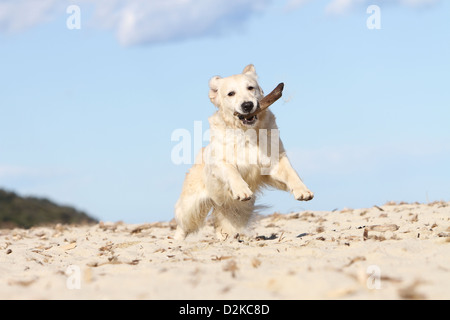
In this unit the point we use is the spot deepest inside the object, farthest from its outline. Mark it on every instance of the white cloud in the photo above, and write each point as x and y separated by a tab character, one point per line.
338	7
295	4
12	171
20	172
417	3
341	6
144	21
155	21
18	15
138	21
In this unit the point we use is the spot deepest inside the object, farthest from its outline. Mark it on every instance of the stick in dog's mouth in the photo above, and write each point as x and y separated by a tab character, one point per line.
263	104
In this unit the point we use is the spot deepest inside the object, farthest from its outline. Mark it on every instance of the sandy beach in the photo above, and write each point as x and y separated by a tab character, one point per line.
391	251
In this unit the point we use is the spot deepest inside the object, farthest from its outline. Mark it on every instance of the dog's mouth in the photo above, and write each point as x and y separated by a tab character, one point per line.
247	120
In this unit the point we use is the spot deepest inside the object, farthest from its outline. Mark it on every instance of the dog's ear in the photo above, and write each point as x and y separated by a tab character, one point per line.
214	89
250	70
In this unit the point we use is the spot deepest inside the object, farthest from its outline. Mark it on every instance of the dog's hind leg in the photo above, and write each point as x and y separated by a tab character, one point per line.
232	218
190	213
193	205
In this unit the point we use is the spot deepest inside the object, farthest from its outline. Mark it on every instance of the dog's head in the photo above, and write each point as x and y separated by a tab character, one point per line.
237	96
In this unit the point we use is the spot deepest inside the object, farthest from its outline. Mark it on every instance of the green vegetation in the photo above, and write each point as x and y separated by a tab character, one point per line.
26	212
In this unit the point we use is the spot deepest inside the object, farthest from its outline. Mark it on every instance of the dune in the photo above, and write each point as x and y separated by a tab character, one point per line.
393	251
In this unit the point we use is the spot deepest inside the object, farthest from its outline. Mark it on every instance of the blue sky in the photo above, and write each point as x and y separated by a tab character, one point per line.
86	116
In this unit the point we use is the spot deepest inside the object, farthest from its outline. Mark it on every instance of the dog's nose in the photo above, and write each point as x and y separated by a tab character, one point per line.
247	106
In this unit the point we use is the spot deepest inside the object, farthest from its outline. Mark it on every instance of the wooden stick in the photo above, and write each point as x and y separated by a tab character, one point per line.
267	101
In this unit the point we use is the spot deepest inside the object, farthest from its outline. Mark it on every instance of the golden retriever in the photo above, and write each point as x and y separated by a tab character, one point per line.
244	155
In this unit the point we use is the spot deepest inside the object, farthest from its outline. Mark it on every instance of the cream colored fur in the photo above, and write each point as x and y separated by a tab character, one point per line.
236	164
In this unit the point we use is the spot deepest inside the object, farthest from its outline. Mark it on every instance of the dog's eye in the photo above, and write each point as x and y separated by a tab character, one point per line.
231	93
250	88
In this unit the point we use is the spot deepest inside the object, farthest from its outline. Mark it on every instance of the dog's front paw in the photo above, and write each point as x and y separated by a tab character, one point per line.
243	193
303	194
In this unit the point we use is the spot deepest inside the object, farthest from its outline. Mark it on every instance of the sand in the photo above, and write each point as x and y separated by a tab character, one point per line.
394	251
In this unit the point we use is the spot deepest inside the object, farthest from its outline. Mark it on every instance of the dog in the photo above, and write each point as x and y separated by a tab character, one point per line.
245	154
